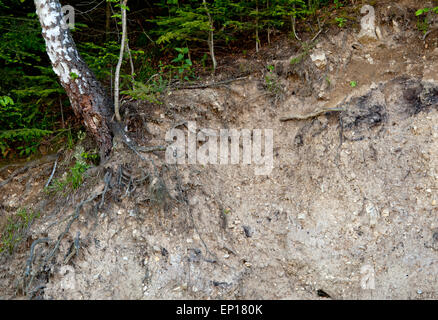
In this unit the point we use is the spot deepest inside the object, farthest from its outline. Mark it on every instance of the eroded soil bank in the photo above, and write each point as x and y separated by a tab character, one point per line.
350	207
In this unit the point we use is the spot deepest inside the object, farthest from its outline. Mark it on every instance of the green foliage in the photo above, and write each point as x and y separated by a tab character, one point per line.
75	176
6	101
423	18
180	69
271	82
149	91
28	87
182	64
423	25
185	23
341	22
29	137
338	4
100	58
31	110
419	12
15	229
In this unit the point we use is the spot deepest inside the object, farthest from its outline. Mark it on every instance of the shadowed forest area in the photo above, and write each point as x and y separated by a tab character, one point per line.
169	42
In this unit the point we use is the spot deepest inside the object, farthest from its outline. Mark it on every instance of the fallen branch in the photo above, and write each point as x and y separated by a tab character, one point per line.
311	115
320	30
209	85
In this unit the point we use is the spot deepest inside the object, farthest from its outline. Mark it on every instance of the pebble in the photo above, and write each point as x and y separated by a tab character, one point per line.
373	214
132	213
319	58
302	216
248	231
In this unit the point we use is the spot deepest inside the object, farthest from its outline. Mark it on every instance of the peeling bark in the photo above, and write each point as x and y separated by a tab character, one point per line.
87	96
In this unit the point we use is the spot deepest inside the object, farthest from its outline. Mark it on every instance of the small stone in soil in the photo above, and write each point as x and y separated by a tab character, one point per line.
248	231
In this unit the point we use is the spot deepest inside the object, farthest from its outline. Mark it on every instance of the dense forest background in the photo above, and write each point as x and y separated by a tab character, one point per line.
169	40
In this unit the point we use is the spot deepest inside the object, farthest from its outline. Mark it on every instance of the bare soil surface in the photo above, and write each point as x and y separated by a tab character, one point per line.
349	210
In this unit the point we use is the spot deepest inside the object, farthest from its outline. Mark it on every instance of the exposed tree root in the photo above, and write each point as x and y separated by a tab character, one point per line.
30	273
429	32
27	166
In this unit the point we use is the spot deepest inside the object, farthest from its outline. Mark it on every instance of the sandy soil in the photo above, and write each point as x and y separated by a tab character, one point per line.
349	210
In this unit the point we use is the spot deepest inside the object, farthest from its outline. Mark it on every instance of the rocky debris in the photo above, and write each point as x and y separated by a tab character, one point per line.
400	98
368	25
248	231
373	214
319	58
365	111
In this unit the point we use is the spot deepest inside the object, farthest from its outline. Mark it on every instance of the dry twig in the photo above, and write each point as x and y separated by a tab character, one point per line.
311	115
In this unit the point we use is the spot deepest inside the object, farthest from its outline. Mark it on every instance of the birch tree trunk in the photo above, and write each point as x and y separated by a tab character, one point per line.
87	96
119	64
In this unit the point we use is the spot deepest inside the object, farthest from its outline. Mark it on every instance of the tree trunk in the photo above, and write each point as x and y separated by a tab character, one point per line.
211	37
119	64
87	96
107	21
